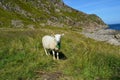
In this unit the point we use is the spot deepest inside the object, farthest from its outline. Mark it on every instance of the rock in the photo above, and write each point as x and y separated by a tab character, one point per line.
33	19
114	41
117	36
42	24
17	23
57	10
107	35
105	32
31	26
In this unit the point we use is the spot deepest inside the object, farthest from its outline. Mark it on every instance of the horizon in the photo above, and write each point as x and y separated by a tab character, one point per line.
114	24
107	10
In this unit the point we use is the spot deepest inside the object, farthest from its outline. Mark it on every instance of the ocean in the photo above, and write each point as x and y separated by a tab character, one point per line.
114	26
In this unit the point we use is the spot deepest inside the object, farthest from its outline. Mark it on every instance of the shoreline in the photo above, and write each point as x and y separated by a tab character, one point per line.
107	35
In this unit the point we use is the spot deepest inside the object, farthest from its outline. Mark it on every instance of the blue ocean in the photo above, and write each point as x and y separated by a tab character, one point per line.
114	26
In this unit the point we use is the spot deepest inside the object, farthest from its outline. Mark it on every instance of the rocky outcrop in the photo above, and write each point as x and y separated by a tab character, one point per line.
117	36
17	23
106	35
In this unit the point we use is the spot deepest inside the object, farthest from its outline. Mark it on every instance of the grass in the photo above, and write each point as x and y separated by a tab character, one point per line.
22	57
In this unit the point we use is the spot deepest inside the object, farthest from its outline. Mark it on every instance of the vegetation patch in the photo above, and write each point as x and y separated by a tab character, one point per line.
22	56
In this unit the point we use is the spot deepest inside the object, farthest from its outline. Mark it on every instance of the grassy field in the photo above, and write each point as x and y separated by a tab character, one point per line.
22	57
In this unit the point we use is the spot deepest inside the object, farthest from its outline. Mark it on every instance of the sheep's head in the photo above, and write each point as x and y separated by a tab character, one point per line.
58	37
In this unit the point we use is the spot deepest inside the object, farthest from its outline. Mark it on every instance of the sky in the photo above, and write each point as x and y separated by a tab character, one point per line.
107	10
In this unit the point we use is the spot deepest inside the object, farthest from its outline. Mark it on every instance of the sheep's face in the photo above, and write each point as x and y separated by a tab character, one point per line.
58	37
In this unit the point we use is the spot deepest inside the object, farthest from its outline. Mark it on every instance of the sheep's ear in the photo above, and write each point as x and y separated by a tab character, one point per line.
52	34
62	34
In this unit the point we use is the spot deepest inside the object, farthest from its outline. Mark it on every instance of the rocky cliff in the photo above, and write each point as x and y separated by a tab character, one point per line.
36	13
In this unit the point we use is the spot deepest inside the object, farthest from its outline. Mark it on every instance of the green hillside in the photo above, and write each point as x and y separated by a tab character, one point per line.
22	57
24	13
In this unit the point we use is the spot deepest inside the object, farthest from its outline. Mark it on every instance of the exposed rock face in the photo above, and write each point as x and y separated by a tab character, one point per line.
17	23
47	12
117	36
107	35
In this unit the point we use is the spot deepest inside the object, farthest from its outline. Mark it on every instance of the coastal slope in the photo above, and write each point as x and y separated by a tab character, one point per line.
37	13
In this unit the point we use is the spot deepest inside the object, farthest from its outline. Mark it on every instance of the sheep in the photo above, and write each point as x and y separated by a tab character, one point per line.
52	43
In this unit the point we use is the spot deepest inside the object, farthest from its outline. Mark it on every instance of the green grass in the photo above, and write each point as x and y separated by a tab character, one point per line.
22	56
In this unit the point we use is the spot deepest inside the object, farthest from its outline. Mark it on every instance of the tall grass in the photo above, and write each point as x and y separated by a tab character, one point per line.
22	55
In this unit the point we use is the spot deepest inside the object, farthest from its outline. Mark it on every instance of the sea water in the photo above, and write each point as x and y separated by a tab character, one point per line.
114	26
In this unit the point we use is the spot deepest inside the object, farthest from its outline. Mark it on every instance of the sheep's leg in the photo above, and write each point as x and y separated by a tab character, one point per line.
46	51
57	55
53	54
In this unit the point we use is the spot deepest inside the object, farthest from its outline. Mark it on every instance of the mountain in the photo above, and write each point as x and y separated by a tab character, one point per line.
36	13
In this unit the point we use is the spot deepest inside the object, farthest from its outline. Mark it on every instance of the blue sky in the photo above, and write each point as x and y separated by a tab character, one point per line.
108	10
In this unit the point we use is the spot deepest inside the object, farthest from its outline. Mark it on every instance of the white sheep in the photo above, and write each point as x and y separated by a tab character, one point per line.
52	43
